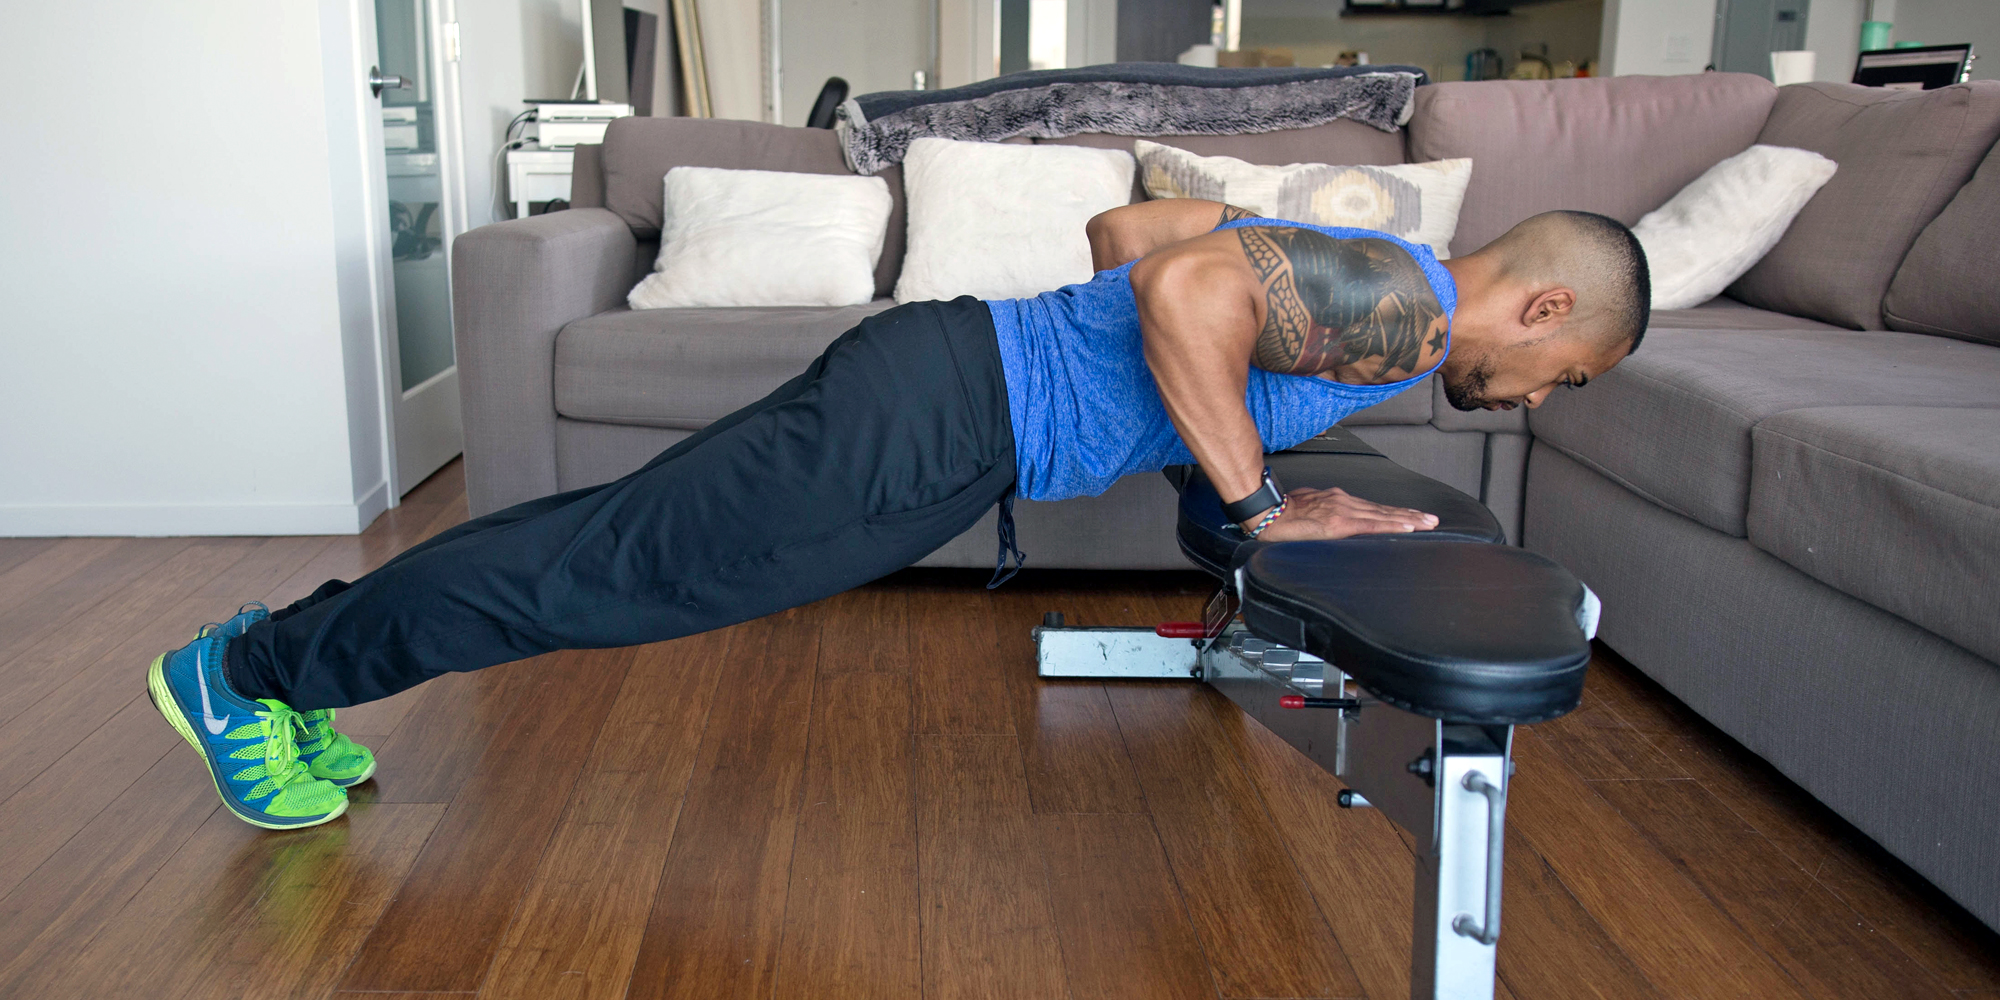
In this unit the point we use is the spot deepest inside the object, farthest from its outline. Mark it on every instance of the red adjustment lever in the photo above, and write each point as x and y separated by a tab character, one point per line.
1180	630
1301	701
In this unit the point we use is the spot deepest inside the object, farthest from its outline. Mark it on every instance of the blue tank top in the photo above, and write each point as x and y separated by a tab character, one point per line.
1084	405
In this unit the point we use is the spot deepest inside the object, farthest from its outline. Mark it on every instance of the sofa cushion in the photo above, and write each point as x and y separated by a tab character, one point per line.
1340	141
586	175
1446	417
1902	155
1720	313
1672	422
1940	289
638	152
1896	505
1725	313
1626	144
683	368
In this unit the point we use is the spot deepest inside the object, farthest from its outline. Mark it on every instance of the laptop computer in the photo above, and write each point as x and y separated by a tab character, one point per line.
1921	67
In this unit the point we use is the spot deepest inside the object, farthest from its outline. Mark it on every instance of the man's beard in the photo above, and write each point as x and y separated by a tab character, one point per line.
1467	391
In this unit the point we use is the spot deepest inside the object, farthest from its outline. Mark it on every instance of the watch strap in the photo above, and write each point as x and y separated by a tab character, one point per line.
1266	497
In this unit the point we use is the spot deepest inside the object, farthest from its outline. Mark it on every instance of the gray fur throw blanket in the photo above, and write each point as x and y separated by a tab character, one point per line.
1137	99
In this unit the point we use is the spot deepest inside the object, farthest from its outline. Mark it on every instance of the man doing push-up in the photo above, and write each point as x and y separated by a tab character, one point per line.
1208	335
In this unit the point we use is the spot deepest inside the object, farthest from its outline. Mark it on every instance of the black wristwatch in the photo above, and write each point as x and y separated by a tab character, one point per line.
1266	497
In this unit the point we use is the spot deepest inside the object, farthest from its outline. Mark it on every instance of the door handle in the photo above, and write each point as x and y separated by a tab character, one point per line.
377	82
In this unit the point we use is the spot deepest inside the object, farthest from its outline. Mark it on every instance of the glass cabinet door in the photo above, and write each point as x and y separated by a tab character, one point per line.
416	197
423	187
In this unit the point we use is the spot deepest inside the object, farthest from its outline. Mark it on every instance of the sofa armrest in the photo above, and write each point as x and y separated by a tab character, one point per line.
515	285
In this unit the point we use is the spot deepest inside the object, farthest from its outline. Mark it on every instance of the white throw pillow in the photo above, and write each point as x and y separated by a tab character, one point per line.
765	238
1418	202
1002	220
1726	220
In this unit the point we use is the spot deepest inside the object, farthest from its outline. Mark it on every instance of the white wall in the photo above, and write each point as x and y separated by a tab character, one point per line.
1833	33
872	44
551	41
174	357
732	35
968	47
516	49
1093	32
492	80
510	50
1656	37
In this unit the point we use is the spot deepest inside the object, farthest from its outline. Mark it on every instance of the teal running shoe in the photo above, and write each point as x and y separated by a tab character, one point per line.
331	756
246	616
250	747
328	755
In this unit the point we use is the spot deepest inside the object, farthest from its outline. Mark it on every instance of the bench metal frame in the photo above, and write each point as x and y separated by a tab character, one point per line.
1445	783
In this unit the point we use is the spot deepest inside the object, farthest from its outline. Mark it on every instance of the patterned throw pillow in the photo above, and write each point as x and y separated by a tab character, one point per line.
1416	201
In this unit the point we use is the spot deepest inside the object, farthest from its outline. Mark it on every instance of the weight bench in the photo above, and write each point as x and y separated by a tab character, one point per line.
1399	663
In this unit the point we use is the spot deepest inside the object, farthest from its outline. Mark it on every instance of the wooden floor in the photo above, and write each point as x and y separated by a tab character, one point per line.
869	797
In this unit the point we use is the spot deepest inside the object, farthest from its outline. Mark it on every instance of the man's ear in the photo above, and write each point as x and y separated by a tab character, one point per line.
1552	306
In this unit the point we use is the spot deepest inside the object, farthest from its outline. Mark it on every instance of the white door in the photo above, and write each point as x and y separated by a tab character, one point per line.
417	46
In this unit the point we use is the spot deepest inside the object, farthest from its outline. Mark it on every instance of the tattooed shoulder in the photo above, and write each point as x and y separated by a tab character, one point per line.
1363	303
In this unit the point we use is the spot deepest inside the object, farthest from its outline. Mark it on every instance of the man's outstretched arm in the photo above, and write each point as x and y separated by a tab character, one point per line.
1129	232
1203	310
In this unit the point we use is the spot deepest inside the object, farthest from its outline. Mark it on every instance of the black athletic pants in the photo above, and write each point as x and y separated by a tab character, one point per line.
893	442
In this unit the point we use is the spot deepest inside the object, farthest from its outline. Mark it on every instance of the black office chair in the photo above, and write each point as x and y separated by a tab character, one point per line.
828	100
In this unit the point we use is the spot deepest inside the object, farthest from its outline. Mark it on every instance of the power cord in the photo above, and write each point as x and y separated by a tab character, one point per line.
521	119
502	204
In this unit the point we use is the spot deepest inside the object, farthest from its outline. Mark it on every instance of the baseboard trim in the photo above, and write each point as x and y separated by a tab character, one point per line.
150	520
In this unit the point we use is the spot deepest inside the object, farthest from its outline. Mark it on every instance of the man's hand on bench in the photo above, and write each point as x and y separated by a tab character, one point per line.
1336	513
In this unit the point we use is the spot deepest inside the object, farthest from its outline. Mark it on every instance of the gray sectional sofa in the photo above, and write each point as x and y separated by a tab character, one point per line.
1789	498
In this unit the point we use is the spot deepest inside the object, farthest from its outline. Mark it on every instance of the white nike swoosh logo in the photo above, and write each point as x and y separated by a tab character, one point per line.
208	719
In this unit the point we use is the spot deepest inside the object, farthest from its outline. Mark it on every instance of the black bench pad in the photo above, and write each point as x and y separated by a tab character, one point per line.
1336	458
1450	623
1460	631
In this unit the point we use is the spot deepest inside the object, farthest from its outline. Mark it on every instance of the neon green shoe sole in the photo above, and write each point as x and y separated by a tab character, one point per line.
343	782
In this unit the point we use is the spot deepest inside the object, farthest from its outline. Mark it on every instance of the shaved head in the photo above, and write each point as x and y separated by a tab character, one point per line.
1594	255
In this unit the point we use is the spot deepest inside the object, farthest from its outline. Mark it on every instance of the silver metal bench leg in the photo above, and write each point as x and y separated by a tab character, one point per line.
1458	880
1446	784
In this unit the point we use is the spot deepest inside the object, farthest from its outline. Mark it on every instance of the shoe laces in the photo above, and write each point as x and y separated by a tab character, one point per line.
281	750
313	728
